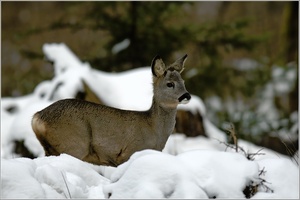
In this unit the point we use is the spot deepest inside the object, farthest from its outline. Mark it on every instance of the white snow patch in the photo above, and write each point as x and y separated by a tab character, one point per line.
50	177
120	46
282	176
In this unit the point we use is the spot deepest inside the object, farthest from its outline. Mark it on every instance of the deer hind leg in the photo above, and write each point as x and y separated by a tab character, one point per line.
96	158
40	131
122	156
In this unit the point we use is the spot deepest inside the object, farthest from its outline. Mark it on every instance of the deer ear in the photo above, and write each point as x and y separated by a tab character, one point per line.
178	65
158	67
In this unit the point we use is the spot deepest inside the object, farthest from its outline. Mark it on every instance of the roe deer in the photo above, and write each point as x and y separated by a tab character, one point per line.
104	135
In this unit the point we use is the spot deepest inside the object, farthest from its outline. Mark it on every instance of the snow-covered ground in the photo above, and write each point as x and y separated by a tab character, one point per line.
197	167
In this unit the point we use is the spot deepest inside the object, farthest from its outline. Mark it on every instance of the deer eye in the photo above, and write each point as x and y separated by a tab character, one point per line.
171	84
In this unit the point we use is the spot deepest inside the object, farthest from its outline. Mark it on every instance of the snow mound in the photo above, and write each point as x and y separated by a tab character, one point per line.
50	177
138	178
195	174
151	174
282	177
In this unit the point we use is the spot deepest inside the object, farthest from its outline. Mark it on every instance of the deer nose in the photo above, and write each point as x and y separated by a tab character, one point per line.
185	98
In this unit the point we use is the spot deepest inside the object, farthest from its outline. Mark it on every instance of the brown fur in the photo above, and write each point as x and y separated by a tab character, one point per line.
108	136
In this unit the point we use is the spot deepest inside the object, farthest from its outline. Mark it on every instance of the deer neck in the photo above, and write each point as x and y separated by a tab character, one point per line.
158	110
163	120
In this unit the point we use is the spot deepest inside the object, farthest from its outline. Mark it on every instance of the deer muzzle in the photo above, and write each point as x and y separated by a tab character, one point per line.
185	98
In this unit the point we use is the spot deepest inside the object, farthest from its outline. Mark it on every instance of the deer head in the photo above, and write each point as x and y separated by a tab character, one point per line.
168	86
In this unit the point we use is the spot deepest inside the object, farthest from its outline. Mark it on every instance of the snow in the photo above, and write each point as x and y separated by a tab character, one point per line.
120	46
50	177
261	114
150	174
280	172
138	179
212	170
199	167
245	64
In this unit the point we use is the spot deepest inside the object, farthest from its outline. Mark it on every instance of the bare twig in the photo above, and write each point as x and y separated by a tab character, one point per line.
263	181
249	156
70	197
290	150
232	132
262	172
266	188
